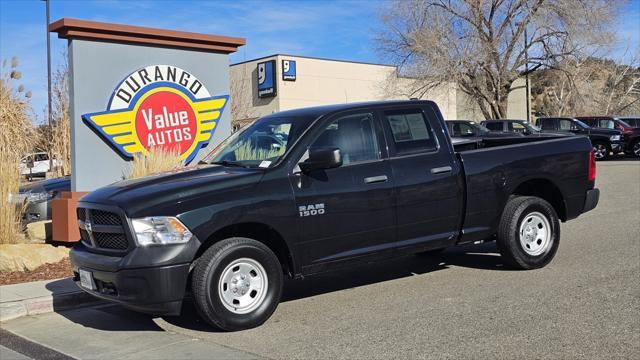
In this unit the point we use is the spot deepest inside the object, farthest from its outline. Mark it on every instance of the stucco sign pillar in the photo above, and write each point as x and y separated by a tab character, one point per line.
133	89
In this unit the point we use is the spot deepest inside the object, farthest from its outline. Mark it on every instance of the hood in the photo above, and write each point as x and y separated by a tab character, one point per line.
57	184
172	188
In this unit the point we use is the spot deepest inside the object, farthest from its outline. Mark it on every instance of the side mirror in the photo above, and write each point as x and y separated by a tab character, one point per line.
321	159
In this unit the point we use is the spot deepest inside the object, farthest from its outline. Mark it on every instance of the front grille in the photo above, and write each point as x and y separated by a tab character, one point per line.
111	241
100	217
102	229
82	214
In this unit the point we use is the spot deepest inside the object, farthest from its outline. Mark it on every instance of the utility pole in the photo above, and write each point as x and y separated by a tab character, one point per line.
526	74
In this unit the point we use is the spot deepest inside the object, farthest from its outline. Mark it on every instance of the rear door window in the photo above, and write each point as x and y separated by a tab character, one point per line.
494	126
410	130
547	124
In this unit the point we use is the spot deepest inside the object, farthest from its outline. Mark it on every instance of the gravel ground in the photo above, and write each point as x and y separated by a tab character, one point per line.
57	270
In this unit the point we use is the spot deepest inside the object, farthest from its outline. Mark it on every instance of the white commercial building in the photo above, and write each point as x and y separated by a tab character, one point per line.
282	82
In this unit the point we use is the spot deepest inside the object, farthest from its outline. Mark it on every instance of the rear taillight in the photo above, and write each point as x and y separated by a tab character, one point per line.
592	166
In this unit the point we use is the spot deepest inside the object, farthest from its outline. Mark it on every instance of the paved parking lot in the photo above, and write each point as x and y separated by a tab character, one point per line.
462	304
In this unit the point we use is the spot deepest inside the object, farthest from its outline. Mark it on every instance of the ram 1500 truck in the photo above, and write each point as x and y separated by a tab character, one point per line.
306	191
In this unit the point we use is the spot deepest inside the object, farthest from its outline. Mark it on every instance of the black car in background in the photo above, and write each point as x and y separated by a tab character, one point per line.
604	141
38	196
516	126
471	129
630	134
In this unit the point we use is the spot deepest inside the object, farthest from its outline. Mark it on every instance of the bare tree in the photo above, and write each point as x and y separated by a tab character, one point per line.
60	132
485	45
240	94
589	86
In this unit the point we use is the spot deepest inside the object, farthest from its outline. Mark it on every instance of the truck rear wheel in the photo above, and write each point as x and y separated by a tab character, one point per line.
529	232
237	284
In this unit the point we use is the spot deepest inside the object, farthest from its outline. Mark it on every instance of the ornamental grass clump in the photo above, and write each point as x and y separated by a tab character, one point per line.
16	138
158	160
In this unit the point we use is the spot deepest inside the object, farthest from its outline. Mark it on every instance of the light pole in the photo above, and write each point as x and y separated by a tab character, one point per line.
526	74
49	115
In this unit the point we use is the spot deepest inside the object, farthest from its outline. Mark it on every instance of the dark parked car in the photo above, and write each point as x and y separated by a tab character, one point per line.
630	134
354	183
516	126
604	141
38	196
471	129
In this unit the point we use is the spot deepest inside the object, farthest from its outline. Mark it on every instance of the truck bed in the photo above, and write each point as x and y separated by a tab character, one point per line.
495	168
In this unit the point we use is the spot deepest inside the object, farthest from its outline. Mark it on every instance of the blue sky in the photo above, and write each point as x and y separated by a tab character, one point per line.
344	29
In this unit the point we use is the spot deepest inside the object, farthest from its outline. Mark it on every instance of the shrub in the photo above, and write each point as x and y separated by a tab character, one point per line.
16	135
159	159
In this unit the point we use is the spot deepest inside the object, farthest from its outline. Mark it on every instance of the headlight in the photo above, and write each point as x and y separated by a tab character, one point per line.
615	137
160	230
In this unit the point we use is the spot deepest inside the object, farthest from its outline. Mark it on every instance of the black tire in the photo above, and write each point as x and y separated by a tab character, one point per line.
598	147
206	278
635	148
517	210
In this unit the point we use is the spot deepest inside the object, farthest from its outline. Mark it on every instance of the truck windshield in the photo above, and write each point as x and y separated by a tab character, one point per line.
261	144
531	127
483	129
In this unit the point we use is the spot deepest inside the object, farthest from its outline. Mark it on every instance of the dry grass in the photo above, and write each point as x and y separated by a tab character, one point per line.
158	160
247	152
16	134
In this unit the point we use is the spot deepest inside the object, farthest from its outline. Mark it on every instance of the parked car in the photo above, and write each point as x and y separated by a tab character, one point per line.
630	134
471	129
633	121
516	126
355	183
38	196
604	141
35	165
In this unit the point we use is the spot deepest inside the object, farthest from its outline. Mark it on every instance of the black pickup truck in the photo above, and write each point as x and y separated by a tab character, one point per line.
335	186
604	141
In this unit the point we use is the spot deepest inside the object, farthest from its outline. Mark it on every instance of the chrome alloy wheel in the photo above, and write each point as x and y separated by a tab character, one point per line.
243	285
636	149
535	234
600	151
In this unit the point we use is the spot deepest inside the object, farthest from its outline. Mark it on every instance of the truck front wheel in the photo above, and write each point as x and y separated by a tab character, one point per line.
601	150
529	232
237	284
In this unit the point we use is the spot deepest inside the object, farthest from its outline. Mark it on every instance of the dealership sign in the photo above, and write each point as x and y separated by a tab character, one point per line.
159	106
267	79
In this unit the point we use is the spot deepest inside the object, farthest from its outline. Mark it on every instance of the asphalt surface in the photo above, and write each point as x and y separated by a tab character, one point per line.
461	304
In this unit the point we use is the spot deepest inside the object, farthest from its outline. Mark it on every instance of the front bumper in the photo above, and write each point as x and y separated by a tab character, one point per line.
591	200
156	289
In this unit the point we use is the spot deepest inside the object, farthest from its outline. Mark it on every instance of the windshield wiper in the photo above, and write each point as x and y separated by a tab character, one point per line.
228	163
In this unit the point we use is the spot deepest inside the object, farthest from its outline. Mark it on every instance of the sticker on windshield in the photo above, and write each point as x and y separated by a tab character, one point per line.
265	164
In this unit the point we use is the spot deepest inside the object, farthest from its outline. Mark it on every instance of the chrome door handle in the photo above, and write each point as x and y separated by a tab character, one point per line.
375	179
441	170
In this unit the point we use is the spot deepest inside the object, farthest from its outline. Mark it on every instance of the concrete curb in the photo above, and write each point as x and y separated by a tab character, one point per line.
41	297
